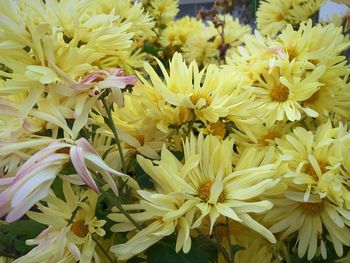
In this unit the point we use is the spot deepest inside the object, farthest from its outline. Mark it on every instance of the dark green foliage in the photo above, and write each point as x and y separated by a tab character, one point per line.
14	235
164	251
142	178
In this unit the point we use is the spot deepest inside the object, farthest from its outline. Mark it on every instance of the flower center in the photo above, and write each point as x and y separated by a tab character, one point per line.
312	208
270	135
311	171
279	93
197	96
217	129
291	53
183	114
79	228
204	192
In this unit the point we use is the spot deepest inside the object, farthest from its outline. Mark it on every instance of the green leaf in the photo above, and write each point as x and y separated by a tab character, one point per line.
14	235
143	179
164	251
150	48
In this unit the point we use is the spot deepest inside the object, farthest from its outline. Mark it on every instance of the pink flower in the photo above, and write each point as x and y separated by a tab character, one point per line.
33	180
102	79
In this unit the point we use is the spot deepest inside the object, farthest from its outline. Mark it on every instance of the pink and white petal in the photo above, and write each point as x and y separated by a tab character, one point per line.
78	161
97	160
34	183
40	165
85	145
39	194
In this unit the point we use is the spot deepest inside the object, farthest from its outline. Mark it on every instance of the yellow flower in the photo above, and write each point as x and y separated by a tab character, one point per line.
163	11
63	239
179	31
185	194
314	221
274	15
210	93
314	161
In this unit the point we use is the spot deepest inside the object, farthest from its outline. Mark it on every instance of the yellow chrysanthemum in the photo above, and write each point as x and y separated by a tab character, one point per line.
63	239
274	15
210	94
206	42
163	11
314	161
178	32
314	220
293	73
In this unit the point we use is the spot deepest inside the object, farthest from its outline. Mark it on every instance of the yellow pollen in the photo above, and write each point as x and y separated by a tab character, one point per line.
183	114
271	135
171	37
161	8
279	17
217	129
197	96
311	171
312	99
312	208
204	192
183	38
279	93
79	228
292	54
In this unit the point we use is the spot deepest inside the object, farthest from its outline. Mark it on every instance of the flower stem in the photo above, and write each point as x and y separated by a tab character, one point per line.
111	125
229	239
102	249
127	215
221	248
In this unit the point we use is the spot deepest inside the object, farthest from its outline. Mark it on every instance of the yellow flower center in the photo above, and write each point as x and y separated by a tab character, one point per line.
204	192
161	8
271	135
279	17
279	93
311	171
312	208
217	129
197	96
292	53
312	99
79	228
183	38
183	114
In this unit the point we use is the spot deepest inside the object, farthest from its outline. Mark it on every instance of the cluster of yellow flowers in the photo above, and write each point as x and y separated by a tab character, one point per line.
117	153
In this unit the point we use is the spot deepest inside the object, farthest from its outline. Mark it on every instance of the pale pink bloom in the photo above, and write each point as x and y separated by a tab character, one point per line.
102	79
33	180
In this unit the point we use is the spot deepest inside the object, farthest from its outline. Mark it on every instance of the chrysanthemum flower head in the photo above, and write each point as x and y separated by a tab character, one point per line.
210	93
273	15
205	185
315	221
66	237
314	161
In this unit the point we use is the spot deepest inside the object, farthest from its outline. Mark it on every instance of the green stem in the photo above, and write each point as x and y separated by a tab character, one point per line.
127	215
102	249
255	7
229	239
111	125
74	213
220	247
